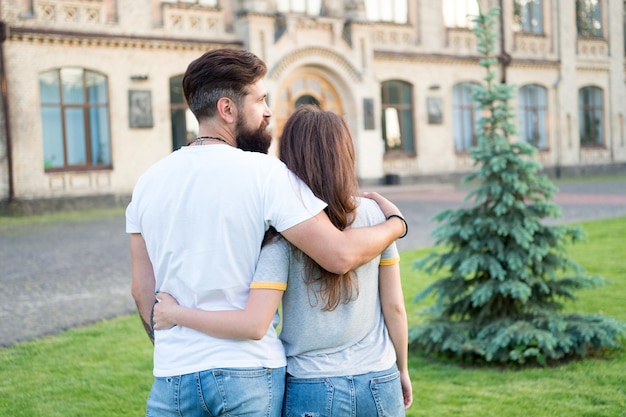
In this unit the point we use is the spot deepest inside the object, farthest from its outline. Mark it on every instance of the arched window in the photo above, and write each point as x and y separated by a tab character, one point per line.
590	115
533	115
528	16
465	114
184	123
395	11
459	13
397	117
75	119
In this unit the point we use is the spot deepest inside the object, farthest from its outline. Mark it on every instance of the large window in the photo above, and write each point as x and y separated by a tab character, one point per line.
387	11
590	112
184	123
200	2
528	16
459	13
75	119
308	7
465	115
589	18
533	115
397	117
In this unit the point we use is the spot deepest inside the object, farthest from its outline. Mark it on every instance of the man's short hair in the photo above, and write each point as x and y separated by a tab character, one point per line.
220	73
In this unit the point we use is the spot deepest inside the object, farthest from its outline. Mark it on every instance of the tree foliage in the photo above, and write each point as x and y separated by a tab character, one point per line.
506	272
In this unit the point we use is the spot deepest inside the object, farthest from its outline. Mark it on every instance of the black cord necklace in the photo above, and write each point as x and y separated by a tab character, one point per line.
201	139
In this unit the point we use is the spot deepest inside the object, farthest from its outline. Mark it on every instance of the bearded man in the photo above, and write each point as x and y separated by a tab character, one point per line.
196	222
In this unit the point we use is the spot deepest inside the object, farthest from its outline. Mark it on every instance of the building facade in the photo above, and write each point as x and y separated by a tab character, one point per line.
92	96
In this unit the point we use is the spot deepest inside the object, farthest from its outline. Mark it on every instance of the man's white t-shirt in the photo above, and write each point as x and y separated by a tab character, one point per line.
203	212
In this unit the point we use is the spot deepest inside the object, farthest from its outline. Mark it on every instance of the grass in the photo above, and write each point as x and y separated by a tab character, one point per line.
620	176
105	369
78	215
99	370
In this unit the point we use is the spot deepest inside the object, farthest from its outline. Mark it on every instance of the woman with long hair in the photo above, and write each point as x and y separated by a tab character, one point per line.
345	336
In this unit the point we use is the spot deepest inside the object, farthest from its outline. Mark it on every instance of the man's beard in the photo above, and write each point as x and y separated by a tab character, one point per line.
253	140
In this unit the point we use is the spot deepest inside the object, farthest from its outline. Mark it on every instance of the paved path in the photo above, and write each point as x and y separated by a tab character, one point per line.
58	275
579	201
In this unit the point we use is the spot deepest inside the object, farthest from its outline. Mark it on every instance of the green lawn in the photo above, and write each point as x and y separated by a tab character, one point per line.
104	370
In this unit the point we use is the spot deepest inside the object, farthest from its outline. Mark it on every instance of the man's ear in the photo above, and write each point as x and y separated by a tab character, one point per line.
227	110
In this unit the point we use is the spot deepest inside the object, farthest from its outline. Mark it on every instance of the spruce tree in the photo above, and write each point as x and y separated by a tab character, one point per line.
506	273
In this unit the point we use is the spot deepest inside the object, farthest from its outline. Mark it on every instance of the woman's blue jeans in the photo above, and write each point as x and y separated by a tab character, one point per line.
219	392
367	395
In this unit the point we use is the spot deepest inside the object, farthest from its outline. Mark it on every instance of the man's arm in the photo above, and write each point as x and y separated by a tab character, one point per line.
143	282
342	251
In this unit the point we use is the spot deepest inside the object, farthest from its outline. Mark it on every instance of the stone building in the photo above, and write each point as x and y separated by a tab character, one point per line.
92	97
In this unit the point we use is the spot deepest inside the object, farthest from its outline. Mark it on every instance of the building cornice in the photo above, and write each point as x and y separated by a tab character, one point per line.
424	57
305	54
457	59
83	38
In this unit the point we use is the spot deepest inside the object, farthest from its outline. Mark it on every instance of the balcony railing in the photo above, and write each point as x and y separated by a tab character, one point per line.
531	46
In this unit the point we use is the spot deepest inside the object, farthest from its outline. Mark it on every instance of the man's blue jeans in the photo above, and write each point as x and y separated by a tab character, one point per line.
367	395
219	392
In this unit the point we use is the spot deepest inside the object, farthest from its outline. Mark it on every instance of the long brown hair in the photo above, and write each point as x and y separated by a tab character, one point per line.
317	146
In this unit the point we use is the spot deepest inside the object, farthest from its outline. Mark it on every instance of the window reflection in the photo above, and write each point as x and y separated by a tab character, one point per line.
465	115
589	18
75	118
387	11
528	16
397	117
459	13
309	7
184	123
590	107
392	128
533	115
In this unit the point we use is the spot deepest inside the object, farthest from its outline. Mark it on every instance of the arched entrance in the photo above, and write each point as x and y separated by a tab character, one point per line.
304	87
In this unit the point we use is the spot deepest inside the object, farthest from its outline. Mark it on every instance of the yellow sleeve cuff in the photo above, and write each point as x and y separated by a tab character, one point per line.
391	261
280	286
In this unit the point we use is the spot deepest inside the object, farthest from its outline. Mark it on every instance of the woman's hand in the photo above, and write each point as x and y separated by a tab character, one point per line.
407	390
164	312
386	206
389	209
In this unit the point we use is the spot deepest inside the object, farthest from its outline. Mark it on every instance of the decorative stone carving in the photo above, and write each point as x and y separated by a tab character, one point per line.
392	35
592	48
77	12
531	46
192	19
594	155
462	41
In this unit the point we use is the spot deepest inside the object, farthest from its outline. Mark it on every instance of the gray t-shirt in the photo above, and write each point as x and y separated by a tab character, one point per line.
350	340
